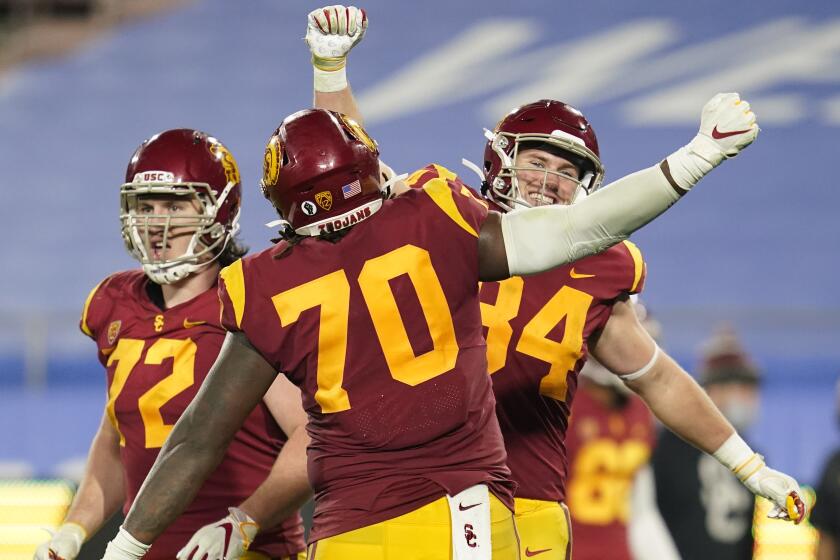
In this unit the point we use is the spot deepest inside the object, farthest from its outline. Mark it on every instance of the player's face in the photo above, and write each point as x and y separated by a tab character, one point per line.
545	178
179	213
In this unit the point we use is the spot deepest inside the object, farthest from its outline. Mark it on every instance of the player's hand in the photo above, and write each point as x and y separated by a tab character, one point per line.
780	489
64	544
331	32
727	126
226	539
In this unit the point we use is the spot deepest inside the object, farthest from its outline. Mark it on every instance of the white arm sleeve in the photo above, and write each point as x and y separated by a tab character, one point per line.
648	536
541	238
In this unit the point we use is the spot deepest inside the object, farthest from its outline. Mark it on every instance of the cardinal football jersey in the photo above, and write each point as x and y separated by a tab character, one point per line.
537	328
156	361
381	330
606	447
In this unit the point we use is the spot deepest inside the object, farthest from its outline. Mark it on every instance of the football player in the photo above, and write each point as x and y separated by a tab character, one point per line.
370	305
541	328
157	332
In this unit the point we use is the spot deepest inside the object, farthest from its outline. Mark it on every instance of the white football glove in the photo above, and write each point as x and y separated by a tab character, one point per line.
64	544
727	126
749	467
782	490
332	32
226	539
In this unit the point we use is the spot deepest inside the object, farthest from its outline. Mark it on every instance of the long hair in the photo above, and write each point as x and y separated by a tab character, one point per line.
233	251
291	238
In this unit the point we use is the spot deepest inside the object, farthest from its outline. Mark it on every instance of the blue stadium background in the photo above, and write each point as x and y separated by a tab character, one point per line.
755	245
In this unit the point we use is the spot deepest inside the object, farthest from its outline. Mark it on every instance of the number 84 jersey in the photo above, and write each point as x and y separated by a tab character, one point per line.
537	329
156	361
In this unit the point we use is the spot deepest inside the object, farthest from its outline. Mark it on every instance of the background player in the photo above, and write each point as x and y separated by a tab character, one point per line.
157	332
610	437
546	153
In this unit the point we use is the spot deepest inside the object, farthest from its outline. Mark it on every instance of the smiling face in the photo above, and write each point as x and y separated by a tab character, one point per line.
545	178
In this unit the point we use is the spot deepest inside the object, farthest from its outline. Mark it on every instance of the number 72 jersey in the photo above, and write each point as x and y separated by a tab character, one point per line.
155	362
537	330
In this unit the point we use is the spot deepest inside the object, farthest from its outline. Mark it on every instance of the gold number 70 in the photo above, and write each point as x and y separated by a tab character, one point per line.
332	294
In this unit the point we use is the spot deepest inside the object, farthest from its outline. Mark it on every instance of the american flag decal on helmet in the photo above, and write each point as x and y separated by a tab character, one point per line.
352	189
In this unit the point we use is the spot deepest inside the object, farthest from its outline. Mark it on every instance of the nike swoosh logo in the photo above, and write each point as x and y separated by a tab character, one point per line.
574	274
530	553
462	507
228	527
717	135
190	324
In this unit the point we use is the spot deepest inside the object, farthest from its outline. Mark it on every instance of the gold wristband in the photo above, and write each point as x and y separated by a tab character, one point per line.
330	63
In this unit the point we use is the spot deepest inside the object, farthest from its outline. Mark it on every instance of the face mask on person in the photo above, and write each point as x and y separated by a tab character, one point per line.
741	414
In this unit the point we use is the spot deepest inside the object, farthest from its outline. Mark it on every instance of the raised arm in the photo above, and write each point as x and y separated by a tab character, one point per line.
235	385
331	32
610	215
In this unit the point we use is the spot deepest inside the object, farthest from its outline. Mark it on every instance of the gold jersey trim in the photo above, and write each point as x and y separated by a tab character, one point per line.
441	194
85	327
638	264
234	279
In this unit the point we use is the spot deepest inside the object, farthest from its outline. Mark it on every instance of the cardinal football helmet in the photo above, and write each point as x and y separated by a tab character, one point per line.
545	124
182	163
321	172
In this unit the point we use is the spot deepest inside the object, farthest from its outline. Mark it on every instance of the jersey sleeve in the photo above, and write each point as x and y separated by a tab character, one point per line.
232	296
93	312
452	196
636	283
